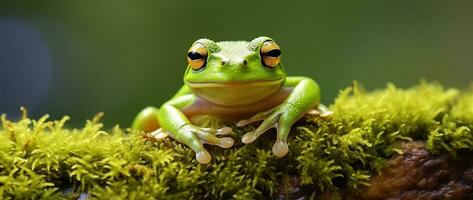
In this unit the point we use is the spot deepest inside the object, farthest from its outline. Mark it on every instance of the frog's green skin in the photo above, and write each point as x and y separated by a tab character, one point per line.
234	84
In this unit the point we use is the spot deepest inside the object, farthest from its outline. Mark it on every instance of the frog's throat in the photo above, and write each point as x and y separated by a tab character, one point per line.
235	93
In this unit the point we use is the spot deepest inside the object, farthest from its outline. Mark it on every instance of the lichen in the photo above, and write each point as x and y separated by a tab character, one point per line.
43	159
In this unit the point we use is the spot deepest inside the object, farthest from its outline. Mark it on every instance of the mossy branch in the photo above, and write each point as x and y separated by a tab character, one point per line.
42	159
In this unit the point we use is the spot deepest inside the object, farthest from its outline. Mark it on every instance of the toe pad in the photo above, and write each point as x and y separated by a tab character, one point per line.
280	148
203	157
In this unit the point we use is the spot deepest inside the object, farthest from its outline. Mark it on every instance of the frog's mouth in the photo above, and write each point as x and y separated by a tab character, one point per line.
235	93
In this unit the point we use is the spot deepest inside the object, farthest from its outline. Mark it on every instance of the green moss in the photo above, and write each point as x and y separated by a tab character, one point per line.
42	159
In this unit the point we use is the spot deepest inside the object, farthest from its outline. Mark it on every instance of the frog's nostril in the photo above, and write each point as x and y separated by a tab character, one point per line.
245	62
223	62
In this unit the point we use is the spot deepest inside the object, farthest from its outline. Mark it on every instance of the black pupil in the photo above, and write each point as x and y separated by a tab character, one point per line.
273	53
194	55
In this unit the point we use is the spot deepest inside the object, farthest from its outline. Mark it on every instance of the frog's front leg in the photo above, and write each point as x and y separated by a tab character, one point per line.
305	95
180	128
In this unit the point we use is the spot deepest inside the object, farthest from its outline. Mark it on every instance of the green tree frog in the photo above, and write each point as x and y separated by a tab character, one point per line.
238	81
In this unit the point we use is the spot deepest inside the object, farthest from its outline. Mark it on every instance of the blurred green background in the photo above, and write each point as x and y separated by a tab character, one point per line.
78	58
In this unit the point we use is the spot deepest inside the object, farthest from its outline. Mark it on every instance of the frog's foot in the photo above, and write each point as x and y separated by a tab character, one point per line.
199	136
276	119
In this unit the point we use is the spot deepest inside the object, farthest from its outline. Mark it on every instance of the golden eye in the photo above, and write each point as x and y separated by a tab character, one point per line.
270	54
197	56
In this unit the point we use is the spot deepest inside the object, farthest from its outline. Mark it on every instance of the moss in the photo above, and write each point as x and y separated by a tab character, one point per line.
42	159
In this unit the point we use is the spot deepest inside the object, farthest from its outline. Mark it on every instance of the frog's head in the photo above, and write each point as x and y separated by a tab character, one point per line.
234	73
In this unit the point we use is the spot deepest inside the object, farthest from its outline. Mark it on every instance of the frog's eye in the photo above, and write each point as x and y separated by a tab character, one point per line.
197	56
270	54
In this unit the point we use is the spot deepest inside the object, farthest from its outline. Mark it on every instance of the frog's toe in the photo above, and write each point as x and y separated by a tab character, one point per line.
314	112
253	135
206	135
326	114
258	117
224	131
245	122
324	111
321	111
159	134
249	137
203	157
226	142
280	148
268	123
